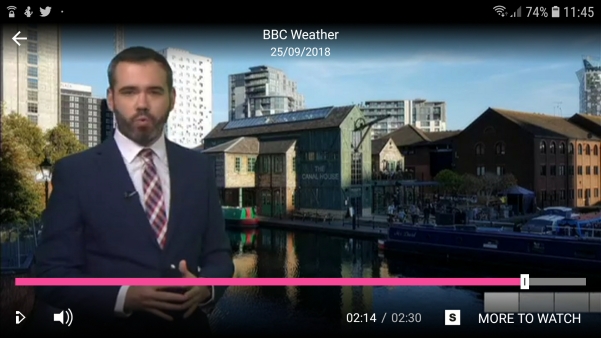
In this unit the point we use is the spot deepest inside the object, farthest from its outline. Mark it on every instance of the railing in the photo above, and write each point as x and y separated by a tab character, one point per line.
592	234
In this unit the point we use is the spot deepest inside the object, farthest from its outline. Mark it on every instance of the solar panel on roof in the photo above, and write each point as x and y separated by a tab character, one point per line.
297	116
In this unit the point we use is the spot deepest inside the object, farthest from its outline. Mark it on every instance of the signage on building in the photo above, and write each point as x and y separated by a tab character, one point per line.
320	173
76	87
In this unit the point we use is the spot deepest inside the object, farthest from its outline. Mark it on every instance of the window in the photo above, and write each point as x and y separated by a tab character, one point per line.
480	170
33	118
265	165
580	149
552	148
32	95
571	170
32	83
32	35
294	163
32	59
500	171
543	147
480	149
588	169
543	170
553	170
500	148
562	170
571	148
579	169
32	71
32	47
588	149
32	108
562	148
250	166
356	168
279	164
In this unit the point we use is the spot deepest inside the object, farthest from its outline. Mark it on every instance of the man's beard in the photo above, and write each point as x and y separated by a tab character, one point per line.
141	137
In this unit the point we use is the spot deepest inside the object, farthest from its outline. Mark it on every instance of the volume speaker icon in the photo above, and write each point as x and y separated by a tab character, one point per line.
64	317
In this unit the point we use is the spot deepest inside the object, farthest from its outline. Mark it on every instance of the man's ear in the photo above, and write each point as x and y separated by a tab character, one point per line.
173	96
110	99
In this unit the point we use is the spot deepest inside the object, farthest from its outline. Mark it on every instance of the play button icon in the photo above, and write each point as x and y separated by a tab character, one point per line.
20	317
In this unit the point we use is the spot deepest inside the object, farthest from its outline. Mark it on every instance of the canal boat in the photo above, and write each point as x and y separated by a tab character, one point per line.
548	241
240	217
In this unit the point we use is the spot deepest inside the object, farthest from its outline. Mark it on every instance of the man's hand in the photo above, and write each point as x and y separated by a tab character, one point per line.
195	295
153	299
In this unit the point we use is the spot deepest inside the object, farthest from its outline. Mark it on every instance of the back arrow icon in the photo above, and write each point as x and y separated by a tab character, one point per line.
16	38
20	317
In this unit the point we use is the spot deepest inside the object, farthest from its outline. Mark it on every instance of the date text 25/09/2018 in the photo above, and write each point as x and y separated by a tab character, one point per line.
300	51
394	317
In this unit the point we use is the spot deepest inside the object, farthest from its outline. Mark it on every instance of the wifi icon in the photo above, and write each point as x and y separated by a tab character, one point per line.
500	10
11	11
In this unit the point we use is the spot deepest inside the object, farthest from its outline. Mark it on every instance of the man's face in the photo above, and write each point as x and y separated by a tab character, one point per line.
141	100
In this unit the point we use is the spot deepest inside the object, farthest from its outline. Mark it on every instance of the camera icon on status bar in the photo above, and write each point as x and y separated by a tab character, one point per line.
452	317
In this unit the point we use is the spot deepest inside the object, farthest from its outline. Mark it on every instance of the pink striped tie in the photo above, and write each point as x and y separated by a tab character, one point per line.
154	202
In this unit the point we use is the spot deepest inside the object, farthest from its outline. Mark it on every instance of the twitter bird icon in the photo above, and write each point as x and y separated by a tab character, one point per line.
45	11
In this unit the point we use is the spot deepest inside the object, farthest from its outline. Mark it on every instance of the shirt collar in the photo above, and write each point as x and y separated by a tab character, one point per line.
130	149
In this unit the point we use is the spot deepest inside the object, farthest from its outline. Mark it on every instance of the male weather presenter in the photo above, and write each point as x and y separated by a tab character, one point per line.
135	206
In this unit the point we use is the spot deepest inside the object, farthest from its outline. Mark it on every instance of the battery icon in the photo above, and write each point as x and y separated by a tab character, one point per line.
555	12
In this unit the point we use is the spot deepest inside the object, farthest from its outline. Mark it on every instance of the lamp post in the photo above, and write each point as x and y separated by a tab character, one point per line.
45	170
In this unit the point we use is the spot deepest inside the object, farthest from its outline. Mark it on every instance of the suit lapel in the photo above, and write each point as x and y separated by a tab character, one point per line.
177	174
111	165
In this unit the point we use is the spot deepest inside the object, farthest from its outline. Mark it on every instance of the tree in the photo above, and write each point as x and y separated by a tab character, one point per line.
62	142
471	185
21	197
26	133
494	184
450	181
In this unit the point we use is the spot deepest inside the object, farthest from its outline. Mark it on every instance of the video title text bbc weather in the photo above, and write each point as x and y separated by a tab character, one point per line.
298	34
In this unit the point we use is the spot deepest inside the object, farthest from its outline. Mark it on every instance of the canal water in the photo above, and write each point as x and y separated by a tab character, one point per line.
304	310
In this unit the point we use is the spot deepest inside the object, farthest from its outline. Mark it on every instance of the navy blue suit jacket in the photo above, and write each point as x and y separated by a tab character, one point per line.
91	229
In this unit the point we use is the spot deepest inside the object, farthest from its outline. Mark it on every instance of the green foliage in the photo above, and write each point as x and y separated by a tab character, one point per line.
24	147
22	198
449	181
26	133
62	142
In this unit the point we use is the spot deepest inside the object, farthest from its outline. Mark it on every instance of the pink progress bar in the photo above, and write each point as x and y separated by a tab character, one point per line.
268	281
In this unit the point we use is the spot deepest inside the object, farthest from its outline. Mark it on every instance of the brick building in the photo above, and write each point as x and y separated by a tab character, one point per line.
553	156
316	160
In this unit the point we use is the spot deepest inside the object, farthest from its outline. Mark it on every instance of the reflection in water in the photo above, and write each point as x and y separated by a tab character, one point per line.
276	253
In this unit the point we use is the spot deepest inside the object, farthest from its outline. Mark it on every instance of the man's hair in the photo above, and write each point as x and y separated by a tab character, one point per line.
139	55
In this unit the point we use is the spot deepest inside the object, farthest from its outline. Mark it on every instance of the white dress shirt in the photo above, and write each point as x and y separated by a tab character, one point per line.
135	166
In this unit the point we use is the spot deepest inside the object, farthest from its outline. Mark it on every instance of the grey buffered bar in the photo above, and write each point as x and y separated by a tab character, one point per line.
557	281
561	302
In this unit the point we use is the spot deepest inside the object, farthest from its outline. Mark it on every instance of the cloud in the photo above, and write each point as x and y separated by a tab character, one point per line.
528	70
326	69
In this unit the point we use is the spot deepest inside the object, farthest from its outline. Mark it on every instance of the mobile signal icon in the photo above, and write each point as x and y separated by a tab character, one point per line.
517	13
500	10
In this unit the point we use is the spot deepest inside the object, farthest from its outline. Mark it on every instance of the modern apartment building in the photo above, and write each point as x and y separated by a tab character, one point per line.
81	112
429	116
262	91
107	121
31	73
192	116
590	86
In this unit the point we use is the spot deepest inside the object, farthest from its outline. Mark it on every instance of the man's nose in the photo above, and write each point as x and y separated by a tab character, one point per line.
142	102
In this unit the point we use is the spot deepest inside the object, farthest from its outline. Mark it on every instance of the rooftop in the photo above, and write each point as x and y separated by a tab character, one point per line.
545	125
318	118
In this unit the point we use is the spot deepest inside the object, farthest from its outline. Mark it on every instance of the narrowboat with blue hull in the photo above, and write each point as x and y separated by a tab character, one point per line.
572	247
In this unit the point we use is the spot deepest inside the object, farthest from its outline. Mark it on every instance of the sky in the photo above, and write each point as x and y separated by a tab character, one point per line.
528	68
